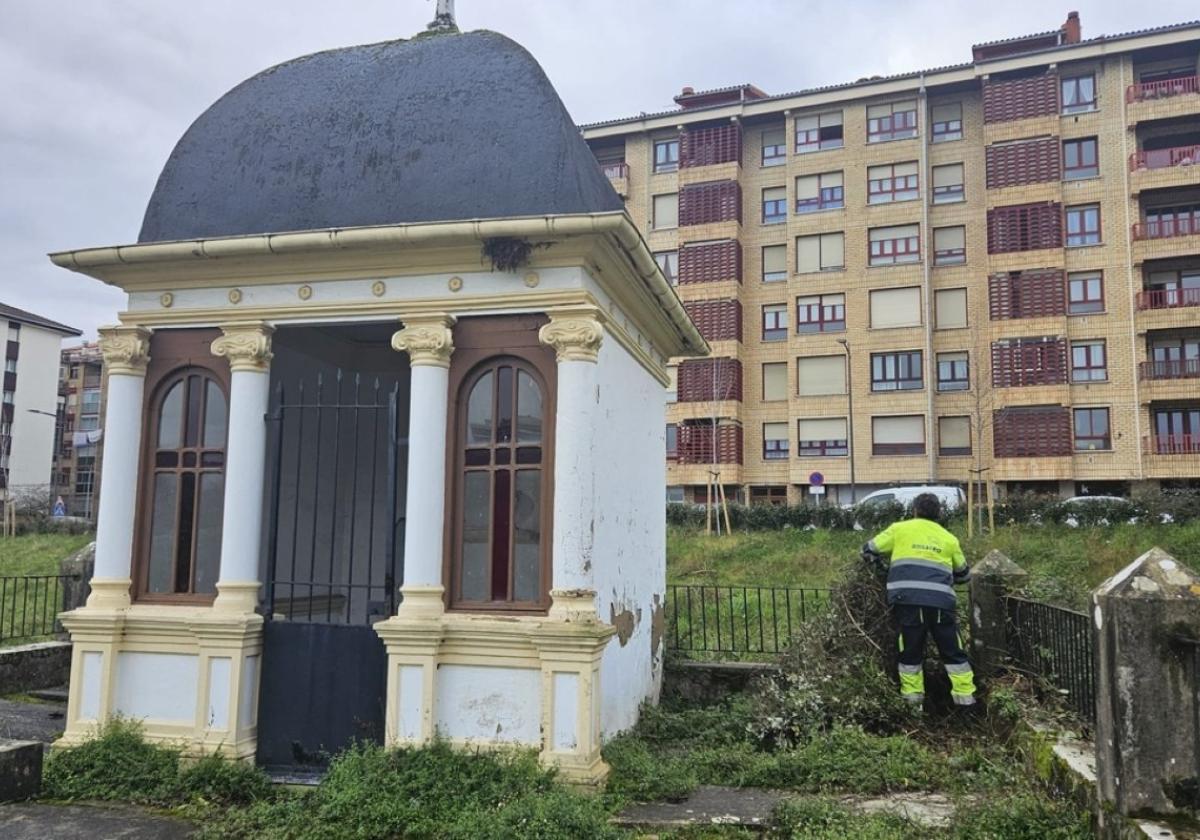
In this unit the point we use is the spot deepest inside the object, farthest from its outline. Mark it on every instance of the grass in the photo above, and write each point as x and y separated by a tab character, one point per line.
1064	563
38	554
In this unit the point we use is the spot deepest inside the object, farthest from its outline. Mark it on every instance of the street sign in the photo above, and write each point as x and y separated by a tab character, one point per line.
816	479
816	489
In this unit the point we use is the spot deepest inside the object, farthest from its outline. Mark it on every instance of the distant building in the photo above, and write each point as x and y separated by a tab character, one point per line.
29	419
80	406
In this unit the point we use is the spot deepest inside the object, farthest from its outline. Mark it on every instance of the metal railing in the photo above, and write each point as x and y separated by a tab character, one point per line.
619	169
1171	444
1170	369
29	606
1164	158
1055	644
738	619
1167	228
1168	298
1162	89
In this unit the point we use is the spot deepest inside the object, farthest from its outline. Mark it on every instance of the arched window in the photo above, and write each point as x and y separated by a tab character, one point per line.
183	488
500	559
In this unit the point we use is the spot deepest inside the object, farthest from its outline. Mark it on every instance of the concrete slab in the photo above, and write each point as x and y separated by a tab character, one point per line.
32	721
708	805
87	822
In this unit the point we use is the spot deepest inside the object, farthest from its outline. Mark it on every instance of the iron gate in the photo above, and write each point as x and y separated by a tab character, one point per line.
334	563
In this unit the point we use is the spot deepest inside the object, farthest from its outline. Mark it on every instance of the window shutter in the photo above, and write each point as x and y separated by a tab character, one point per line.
909	168
947	113
948	176
775	431
666	211
808	253
824	428
774	137
832	179
774	258
1015	99
775	381
954	432
950	308
819	375
833	250
899	430
949	238
807	186
896	307
774	193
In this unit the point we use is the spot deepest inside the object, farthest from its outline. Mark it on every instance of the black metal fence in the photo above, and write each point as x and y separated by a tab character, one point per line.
29	606
738	620
1055	644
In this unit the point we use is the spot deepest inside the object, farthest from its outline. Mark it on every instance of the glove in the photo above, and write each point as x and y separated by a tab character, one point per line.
873	558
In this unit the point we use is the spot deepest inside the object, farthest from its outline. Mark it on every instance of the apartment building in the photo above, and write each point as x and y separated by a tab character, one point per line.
28	412
81	405
990	269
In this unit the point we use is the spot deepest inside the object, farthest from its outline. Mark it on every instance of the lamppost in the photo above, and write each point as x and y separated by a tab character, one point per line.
850	419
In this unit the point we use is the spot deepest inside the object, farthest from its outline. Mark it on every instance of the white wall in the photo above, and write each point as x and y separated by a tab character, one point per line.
629	551
37	388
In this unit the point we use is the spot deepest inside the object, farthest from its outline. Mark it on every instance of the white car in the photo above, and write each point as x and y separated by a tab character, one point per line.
950	497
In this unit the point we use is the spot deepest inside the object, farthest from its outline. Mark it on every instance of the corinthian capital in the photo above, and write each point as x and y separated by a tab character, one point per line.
246	345
575	337
126	350
426	339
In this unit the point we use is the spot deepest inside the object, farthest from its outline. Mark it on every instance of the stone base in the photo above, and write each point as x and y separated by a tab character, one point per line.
189	674
20	770
488	681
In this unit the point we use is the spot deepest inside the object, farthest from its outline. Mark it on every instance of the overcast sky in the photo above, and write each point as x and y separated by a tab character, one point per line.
95	93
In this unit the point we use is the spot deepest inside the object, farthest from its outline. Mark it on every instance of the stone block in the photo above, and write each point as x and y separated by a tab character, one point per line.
1147	686
35	666
992	579
20	770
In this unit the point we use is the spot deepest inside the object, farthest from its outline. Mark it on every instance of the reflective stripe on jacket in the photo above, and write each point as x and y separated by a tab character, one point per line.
926	562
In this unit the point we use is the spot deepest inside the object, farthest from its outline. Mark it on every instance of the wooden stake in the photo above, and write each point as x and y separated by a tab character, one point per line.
991	491
724	506
708	509
970	508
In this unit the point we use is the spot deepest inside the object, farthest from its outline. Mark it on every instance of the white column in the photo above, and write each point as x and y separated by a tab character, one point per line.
126	351
428	341
575	337
248	348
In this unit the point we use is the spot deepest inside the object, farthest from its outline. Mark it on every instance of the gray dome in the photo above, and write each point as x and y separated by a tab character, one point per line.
438	128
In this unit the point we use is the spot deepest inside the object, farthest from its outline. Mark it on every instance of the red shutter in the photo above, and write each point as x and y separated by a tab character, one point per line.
1029	361
711	201
1017	99
1027	294
717	320
1025	227
710	145
1033	432
696	380
1027	162
710	262
695	443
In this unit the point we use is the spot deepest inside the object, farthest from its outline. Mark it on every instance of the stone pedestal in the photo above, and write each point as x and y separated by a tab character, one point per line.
1147	686
992	579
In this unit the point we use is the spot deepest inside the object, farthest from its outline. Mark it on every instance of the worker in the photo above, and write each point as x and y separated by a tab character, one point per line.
926	561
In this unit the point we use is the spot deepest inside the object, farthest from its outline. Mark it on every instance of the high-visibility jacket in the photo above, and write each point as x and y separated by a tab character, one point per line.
926	562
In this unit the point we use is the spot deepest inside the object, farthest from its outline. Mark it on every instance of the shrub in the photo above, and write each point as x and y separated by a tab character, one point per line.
644	776
1022	817
117	764
823	819
218	780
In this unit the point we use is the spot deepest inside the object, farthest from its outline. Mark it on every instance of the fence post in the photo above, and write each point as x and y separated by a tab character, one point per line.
76	571
1147	688
992	579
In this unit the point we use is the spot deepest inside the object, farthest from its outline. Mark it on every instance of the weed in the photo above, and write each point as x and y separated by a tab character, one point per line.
641	774
1021	817
822	819
117	764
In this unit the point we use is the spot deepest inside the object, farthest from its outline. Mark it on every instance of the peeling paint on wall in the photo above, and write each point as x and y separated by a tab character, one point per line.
625	621
658	626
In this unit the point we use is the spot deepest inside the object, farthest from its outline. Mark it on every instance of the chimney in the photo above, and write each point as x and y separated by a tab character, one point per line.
1072	30
688	90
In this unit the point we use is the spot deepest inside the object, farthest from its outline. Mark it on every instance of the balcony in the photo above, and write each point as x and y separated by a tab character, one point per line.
1167	228
618	175
695	444
1164	158
1168	298
1164	89
1171	444
1169	370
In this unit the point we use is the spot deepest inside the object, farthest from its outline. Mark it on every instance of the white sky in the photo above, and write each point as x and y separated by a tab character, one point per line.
95	93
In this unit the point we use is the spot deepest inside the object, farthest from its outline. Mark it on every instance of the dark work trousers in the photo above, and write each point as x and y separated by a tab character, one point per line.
916	625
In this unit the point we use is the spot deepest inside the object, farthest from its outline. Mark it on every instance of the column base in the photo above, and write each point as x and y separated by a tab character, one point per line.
237	596
109	594
421	602
584	774
573	605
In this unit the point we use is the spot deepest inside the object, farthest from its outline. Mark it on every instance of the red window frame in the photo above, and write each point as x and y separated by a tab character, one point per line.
1085	303
947	130
1180	220
950	256
1177	431
900	370
1080	158
828	198
1087	219
833	448
827	317
898	125
954	382
1093	359
818	139
774	322
775	449
1094	428
668	163
774	210
894	251
774	154
1074	84
892	186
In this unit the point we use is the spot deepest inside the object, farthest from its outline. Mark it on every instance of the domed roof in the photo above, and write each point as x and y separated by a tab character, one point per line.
438	128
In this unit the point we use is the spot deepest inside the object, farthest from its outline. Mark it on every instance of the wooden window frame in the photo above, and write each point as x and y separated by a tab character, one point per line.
1105	439
900	359
828	198
821	308
890	128
814	139
892	188
1084	237
667	164
1090	365
1080	106
954	382
944	131
899	250
1080	170
775	449
478	342
778	156
173	353
1084	278
774	210
772	313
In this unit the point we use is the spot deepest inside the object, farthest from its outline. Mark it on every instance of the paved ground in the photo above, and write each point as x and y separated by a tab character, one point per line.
32	721
86	822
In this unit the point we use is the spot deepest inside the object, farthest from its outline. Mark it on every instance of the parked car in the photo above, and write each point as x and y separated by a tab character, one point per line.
950	497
